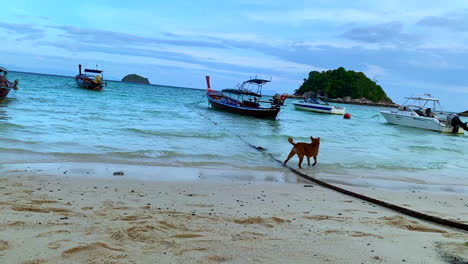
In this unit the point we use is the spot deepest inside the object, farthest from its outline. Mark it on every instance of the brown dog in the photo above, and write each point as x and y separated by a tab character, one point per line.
304	149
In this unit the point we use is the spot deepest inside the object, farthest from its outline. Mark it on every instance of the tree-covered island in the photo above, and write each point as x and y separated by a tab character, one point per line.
344	86
135	78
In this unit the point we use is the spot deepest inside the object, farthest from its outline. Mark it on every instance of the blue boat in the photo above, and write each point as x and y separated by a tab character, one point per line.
90	79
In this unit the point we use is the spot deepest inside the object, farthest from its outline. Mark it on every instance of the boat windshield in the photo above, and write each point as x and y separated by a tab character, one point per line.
315	100
3	71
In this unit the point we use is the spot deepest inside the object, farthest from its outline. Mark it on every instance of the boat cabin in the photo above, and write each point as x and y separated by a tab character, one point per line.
248	92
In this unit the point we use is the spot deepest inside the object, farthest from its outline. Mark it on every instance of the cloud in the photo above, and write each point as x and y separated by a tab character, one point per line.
374	71
118	38
33	17
385	33
23	31
226	62
455	21
295	16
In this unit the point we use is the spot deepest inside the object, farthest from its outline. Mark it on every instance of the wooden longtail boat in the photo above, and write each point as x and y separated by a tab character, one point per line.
91	79
247	102
5	85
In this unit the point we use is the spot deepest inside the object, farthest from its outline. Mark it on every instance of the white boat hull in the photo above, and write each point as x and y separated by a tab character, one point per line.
328	109
409	120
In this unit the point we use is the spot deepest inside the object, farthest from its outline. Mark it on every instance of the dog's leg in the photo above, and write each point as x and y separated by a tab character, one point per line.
301	158
291	154
315	161
308	160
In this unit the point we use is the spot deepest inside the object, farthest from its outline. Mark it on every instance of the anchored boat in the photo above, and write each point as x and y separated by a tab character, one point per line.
5	85
90	79
243	100
420	112
315	104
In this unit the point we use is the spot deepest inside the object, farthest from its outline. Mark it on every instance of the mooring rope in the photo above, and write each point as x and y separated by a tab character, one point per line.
393	207
374	116
406	211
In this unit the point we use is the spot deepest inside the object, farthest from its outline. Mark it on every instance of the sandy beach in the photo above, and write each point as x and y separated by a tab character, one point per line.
64	219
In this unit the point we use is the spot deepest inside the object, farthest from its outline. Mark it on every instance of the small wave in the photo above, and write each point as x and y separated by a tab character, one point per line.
390	167
423	148
19	141
433	149
11	125
176	134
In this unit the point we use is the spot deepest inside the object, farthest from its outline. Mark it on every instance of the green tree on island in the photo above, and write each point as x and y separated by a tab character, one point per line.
340	83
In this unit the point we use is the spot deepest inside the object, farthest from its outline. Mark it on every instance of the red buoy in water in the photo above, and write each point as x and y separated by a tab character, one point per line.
347	116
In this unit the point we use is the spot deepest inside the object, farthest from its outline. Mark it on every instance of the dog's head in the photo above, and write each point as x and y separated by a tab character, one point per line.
315	140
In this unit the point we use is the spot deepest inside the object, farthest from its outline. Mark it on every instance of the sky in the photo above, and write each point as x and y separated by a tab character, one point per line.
408	47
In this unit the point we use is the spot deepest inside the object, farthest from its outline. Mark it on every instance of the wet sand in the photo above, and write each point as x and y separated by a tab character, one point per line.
48	219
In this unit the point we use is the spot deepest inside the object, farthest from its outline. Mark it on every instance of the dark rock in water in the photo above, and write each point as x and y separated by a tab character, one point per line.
118	173
135	78
463	113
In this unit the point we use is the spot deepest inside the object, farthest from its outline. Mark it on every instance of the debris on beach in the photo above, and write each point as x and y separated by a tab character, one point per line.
118	173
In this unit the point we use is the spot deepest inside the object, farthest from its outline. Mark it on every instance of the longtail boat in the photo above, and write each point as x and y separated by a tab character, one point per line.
243	100
90	79
5	85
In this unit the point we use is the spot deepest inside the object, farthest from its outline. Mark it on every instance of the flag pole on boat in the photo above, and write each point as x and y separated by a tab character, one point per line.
208	82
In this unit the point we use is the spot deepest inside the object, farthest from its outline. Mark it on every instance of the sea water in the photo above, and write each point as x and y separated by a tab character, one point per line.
51	121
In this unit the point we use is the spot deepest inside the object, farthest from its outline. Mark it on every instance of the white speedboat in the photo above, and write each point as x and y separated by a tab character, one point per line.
417	112
314	104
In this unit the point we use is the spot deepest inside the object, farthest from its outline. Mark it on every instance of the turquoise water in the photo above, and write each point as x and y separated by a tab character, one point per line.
50	120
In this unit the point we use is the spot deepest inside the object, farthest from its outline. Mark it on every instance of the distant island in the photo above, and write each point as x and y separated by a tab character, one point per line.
344	86
463	113
135	78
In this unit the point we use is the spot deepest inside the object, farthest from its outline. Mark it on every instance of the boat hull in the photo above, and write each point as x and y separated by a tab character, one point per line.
422	122
318	108
87	83
3	93
225	103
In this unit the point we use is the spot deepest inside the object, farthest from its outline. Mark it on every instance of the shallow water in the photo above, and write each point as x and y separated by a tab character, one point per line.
50	120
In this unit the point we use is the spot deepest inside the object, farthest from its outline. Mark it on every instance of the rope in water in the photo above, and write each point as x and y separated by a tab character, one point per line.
409	212
376	115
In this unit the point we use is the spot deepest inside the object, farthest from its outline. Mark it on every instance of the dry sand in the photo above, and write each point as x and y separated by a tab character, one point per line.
121	220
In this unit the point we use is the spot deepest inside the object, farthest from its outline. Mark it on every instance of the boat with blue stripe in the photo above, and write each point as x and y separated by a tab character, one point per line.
315	104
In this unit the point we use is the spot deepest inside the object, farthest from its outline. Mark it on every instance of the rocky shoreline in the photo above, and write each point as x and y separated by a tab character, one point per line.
349	100
362	101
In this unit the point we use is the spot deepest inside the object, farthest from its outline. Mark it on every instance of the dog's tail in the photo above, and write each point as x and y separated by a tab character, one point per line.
291	141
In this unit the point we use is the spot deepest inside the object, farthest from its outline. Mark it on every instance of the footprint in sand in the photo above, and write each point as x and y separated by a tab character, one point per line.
187	236
267	222
3	245
403	223
39	209
91	246
352	233
47	234
327	217
57	244
135	217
